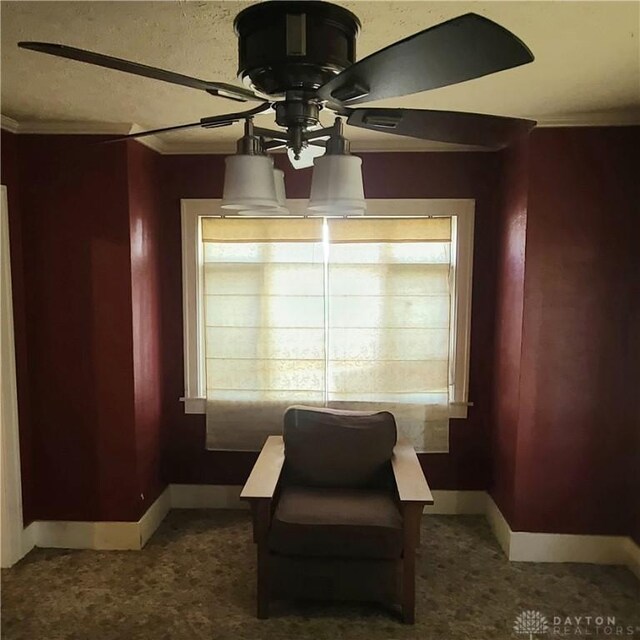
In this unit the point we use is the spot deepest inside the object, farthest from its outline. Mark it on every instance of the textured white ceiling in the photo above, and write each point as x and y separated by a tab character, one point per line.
587	67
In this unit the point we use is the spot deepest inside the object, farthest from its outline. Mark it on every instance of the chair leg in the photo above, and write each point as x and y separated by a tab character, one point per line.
261	510
412	513
263	582
409	586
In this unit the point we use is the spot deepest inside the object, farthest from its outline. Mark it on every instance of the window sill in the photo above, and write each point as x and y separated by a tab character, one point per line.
199	406
194	405
459	411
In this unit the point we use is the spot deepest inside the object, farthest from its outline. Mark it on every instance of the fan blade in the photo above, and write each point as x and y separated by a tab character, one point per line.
464	48
211	122
151	132
81	55
272	145
474	129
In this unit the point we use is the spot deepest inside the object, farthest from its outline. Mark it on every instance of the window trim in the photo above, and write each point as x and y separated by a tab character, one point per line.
462	213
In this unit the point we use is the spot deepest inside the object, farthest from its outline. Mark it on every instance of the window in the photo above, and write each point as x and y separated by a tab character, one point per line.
356	313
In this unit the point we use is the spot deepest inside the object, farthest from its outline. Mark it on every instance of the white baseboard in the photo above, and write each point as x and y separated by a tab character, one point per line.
563	547
201	496
25	540
28	538
134	535
525	546
499	525
206	496
458	502
105	536
154	515
518	546
633	556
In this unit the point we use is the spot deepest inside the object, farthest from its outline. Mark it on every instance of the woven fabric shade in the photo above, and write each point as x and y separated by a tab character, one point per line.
353	315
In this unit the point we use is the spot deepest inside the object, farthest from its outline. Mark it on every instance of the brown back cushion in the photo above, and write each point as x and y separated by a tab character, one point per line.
330	448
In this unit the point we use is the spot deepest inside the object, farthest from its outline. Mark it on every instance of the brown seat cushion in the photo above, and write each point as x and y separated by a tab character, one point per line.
330	448
356	523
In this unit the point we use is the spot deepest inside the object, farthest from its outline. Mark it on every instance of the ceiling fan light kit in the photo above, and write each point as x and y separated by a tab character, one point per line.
336	186
249	183
281	193
280	209
249	179
297	58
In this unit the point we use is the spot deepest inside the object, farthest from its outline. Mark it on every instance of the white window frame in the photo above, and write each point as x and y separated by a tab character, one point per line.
462	213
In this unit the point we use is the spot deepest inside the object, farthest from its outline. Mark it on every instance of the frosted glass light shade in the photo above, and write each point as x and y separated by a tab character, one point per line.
336	186
281	199
281	194
249	183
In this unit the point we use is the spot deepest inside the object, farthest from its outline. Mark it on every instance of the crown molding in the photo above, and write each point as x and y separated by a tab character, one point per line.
594	119
154	143
43	127
395	144
9	124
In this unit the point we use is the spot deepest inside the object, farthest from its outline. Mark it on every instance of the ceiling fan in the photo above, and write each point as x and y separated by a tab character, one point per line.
297	58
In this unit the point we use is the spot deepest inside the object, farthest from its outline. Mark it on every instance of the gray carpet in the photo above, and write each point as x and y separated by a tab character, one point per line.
195	579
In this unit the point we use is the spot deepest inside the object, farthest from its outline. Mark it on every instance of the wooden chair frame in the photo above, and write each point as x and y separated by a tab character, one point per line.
412	491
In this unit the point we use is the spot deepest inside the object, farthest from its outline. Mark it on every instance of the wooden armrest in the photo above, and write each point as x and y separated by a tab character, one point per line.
265	474
410	481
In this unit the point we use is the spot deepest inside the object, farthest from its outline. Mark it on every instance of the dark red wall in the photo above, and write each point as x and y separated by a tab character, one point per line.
570	463
634	407
386	175
511	229
145	225
73	204
576	385
86	366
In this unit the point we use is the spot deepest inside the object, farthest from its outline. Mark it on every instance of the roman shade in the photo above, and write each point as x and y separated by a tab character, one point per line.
347	313
264	324
389	300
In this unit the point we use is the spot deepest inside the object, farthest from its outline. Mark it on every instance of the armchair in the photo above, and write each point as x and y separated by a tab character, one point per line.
336	505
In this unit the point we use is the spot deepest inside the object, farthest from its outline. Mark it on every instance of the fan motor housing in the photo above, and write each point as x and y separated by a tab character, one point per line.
285	46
